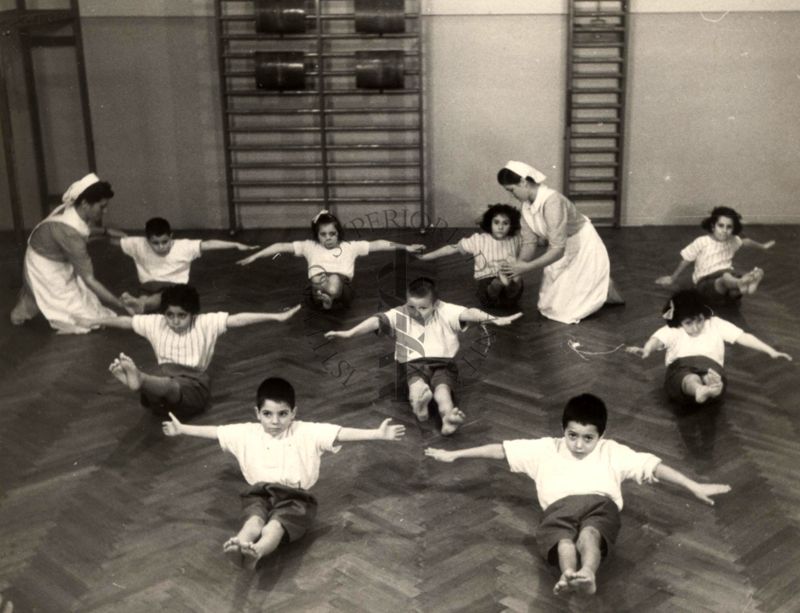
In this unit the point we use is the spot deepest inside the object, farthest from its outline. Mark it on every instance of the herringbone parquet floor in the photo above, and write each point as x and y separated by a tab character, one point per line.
99	512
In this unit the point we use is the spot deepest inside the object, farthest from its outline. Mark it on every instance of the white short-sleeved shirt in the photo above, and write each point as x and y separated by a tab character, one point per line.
709	343
710	255
489	253
558	473
293	459
170	268
194	348
340	259
437	338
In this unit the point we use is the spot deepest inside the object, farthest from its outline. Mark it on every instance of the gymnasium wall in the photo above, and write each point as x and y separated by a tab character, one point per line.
712	113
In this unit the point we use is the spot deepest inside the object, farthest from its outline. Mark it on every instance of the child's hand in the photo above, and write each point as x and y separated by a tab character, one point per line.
440	454
288	314
416	248
704	491
390	433
768	245
243	247
665	281
780	354
504	321
336	334
635	351
248	260
171	428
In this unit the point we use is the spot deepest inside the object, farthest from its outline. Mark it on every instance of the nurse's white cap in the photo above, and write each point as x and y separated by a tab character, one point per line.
525	171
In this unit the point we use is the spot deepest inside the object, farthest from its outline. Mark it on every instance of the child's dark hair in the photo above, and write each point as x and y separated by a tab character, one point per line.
422	287
184	296
275	389
157	226
685	304
507	177
326	218
722	211
95	193
494	210
586	409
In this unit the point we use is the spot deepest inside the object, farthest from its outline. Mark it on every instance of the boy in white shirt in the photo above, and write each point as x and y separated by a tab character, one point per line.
578	482
280	459
162	260
426	332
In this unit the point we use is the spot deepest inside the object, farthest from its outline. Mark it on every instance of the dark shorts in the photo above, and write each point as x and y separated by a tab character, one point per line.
508	297
294	508
434	371
705	287
681	368
339	304
155	287
195	392
566	517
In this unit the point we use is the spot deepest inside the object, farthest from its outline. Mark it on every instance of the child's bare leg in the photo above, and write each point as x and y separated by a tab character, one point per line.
694	386
588	546
568	563
250	531
420	396
126	371
496	286
271	536
452	417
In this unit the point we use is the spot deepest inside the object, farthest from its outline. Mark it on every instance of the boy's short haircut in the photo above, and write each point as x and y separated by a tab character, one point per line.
323	219
685	304
509	211
586	409
277	390
722	211
422	287
157	226
95	193
183	296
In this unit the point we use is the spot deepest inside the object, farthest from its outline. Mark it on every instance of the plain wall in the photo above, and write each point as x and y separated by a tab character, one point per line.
712	110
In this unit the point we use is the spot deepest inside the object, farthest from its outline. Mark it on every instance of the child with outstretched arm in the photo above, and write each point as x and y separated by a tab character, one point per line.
578	478
183	340
279	457
162	260
426	332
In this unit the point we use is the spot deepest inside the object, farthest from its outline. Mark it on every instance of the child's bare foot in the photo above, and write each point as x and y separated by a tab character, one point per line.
250	553
421	407
233	550
452	420
126	372
712	385
562	586
583	581
756	276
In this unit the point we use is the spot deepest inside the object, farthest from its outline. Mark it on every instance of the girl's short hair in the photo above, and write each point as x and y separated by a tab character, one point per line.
323	219
586	409
722	211
509	211
685	304
95	193
183	296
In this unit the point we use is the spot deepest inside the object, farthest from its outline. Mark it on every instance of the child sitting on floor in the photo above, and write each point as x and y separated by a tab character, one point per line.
498	242
183	341
331	260
578	479
712	254
162	261
426	332
694	340
280	459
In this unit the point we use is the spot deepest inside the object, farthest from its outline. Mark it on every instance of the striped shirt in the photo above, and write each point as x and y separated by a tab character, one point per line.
489	253
194	348
710	255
